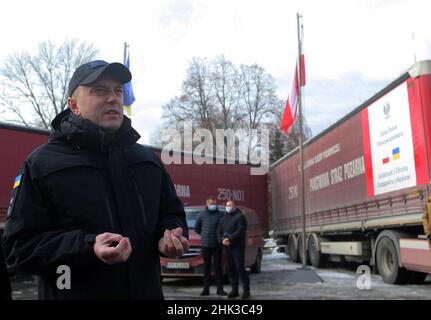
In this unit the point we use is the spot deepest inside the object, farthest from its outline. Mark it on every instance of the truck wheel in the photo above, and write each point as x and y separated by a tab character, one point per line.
388	263
317	259
292	250
257	266
307	258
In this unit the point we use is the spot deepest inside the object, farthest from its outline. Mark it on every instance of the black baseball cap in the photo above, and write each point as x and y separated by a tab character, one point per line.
91	71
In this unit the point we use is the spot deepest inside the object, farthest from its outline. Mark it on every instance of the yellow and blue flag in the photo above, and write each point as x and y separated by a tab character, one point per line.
396	153
17	181
128	97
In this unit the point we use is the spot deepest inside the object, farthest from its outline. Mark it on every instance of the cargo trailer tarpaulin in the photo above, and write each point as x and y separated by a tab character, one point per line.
367	179
347	173
394	146
193	181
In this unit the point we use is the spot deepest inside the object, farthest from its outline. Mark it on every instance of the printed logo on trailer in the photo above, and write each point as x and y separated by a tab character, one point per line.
387	110
395	156
396	153
390	171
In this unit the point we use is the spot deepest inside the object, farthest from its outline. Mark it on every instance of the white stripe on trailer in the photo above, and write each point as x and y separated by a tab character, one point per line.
415	255
349	248
414	244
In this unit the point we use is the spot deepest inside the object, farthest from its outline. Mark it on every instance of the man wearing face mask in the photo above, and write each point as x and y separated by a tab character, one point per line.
231	232
206	225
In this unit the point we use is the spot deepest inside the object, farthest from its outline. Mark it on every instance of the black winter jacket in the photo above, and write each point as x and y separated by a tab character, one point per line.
206	225
234	227
79	185
5	289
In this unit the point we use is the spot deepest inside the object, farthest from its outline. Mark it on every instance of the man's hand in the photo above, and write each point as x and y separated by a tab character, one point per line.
173	244
226	242
112	248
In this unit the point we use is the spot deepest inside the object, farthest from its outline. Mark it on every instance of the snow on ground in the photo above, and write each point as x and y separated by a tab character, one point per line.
274	283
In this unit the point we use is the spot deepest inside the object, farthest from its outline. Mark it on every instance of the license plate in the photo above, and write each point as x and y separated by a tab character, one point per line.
178	265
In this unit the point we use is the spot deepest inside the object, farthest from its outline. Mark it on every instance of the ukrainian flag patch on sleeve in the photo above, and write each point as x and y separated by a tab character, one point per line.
17	181
15	191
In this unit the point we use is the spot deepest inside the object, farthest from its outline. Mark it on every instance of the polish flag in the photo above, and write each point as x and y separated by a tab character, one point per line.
291	108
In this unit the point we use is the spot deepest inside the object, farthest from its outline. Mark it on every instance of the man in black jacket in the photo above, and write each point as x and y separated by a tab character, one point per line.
232	233
206	225
91	210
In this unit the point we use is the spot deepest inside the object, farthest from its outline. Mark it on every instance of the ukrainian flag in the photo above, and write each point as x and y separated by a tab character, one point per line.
128	97
396	153
17	181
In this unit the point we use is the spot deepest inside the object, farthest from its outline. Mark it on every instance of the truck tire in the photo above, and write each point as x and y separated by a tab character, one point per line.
292	250
317	259
307	258
257	266
388	263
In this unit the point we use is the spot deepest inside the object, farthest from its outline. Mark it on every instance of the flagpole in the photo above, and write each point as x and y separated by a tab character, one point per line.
301	149
125	52
127	108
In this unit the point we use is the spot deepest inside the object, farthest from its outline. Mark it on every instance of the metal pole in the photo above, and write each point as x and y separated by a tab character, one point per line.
125	52
301	136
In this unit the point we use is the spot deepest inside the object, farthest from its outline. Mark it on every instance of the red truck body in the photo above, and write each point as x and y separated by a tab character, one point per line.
193	182
16	143
366	179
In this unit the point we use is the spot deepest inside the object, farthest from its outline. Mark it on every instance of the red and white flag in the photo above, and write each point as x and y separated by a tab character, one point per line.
291	108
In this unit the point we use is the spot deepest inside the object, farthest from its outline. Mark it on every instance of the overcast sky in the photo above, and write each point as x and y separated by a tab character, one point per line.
352	48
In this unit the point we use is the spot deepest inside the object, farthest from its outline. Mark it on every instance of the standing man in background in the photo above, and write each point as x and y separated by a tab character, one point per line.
232	234
206	225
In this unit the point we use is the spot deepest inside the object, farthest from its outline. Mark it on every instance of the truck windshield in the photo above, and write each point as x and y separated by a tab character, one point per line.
191	215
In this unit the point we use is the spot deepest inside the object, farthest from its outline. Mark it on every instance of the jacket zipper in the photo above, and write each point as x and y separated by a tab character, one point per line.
141	201
108	207
111	189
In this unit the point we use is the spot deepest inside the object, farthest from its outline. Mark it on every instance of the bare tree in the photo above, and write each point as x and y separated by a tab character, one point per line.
258	98
257	95
226	85
34	87
218	95
196	101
